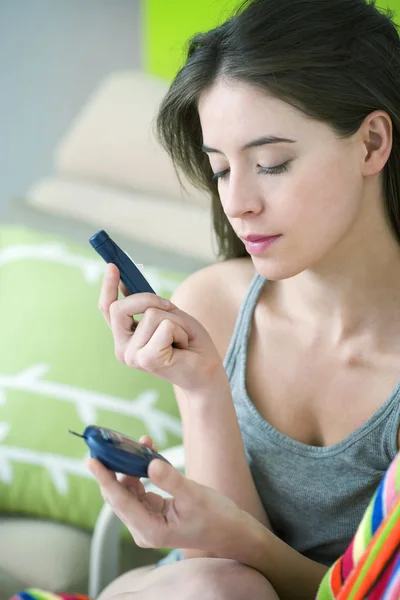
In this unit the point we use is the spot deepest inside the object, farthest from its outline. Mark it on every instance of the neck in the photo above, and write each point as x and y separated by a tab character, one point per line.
356	287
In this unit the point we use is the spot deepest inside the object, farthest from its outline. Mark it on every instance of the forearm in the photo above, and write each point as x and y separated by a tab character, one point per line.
214	450
293	576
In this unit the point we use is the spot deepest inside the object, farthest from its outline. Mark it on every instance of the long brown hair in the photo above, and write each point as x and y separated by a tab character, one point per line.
334	61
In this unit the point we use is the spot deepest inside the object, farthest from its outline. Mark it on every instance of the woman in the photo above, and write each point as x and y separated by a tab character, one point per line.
286	369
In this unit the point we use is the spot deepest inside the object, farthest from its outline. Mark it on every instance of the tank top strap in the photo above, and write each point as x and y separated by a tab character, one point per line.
243	322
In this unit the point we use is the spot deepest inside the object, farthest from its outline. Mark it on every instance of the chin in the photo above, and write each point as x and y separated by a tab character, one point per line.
275	270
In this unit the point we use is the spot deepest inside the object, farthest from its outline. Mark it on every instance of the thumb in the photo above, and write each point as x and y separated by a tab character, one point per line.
166	477
103	475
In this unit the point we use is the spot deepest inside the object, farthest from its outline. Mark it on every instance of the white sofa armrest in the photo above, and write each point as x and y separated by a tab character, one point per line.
106	539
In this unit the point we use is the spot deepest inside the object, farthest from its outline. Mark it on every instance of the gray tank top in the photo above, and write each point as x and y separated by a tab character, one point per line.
314	496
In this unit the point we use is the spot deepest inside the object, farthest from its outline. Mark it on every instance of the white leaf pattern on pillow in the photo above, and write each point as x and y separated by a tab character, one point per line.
4	429
87	413
57	466
6	472
92	268
156	422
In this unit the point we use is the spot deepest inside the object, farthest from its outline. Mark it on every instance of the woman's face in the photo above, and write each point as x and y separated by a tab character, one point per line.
314	198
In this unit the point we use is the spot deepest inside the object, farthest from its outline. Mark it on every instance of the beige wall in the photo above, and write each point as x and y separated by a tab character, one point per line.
52	54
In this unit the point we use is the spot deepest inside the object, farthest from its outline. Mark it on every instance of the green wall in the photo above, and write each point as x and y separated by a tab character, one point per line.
169	23
393	4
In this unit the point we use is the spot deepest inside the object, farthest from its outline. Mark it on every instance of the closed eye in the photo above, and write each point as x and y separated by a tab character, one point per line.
262	170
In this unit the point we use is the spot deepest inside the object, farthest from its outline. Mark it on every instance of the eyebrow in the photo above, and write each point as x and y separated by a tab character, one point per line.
262	141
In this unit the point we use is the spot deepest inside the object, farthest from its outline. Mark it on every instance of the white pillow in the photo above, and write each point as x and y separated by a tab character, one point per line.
174	225
111	139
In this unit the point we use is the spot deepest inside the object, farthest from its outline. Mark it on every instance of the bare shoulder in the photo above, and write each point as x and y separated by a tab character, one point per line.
213	296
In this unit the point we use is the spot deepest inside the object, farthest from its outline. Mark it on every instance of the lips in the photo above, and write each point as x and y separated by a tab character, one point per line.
260	245
257	238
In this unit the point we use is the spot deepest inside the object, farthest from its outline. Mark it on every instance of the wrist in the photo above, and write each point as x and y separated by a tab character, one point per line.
247	540
235	536
215	386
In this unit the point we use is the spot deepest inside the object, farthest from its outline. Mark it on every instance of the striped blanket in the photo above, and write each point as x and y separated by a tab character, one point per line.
370	567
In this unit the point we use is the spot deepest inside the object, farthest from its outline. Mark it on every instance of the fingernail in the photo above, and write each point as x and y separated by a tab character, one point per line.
166	303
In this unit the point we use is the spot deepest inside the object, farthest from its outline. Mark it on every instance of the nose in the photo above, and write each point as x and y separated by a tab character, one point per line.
239	196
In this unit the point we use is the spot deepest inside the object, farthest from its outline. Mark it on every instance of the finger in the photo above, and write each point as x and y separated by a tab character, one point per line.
158	353
134	325
147	441
124	290
109	290
152	320
121	313
133	485
154	502
184	319
104	476
167	478
175	310
99	471
137	304
128	508
168	333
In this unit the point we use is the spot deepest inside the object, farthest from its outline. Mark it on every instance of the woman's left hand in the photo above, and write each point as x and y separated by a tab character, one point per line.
196	516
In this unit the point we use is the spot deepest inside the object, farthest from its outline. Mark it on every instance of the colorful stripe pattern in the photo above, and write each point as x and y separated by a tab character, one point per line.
36	594
370	567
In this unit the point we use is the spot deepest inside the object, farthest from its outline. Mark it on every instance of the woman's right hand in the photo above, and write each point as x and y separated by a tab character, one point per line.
192	363
196	516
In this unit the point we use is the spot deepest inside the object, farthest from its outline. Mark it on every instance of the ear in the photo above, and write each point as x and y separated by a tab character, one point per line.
377	138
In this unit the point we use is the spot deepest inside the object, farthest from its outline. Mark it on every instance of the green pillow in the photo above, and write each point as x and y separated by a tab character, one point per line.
58	371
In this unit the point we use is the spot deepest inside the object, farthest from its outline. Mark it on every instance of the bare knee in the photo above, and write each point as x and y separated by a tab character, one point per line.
205	578
225	579
131	581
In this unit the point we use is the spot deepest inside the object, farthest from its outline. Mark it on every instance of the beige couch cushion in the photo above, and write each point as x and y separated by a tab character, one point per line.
51	556
42	554
174	225
111	139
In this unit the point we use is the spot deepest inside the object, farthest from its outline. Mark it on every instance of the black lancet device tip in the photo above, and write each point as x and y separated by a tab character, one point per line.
77	434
